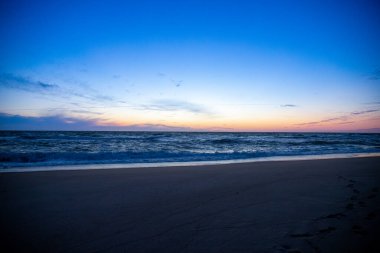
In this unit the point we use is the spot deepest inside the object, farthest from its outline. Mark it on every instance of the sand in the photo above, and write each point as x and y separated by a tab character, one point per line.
295	206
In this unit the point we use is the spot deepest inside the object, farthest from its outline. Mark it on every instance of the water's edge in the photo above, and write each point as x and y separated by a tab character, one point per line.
181	164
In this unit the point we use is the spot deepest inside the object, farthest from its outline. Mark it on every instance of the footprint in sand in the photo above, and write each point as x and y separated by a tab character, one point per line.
288	249
333	216
353	198
293	251
302	235
371	216
351	185
326	230
359	230
350	206
322	231
371	196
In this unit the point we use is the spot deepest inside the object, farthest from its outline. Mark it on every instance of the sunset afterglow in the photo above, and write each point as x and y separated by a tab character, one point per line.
190	66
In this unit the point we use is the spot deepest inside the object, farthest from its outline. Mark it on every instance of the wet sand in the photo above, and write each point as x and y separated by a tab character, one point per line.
294	206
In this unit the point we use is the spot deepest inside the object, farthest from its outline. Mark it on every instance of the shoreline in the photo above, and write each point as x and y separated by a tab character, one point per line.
181	164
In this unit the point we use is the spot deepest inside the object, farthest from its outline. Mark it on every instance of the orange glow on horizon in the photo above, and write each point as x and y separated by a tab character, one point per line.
259	125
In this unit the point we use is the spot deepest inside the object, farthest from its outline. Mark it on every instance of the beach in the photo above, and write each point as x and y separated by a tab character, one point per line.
329	205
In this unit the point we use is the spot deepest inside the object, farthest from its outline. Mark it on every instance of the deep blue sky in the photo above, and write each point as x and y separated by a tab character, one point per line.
237	45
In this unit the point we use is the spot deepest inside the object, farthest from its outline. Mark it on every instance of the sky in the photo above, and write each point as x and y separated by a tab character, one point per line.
190	65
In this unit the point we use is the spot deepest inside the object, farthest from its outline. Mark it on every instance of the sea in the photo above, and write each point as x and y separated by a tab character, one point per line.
29	149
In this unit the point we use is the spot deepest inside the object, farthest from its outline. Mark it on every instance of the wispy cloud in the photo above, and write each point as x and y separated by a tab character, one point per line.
372	103
342	118
156	127
345	122
86	112
288	105
60	122
177	83
339	120
56	122
19	82
363	112
174	105
22	83
375	75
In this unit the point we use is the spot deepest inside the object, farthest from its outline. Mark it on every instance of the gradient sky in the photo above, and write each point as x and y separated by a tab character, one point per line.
190	65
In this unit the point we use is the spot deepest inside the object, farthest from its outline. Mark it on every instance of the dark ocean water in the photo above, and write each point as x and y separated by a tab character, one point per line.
25	149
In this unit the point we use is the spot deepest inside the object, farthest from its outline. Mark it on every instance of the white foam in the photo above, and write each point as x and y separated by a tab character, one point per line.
176	164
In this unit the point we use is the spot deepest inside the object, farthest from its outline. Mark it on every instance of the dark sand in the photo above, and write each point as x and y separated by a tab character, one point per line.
309	206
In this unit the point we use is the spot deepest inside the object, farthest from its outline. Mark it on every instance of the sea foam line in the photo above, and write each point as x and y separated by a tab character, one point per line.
181	164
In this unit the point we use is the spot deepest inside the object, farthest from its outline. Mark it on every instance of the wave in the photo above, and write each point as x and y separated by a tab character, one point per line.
57	148
228	141
58	158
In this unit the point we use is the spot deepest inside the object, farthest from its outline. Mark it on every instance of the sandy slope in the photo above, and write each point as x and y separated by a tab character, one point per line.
295	206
